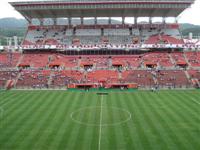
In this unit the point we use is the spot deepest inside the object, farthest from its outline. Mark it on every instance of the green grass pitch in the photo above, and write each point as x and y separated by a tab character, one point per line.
61	120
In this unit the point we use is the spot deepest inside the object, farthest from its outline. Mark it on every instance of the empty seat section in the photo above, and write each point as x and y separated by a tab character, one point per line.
9	59
64	61
193	58
141	77
172	78
35	60
179	58
160	59
107	76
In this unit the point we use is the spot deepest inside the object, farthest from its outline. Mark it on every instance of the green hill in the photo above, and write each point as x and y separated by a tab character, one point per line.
190	28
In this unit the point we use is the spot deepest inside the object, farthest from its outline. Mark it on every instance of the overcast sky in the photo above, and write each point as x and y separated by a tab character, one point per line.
191	15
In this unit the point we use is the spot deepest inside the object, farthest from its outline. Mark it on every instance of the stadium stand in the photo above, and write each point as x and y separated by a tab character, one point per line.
39	70
143	78
65	77
107	76
179	59
6	77
103	53
59	60
61	35
172	78
193	58
34	60
156	59
5	59
33	79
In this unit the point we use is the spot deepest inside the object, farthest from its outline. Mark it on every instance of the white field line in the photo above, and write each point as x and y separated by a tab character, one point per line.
100	124
194	100
103	124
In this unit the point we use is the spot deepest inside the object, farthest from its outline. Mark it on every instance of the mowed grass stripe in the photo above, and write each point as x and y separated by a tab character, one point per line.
95	129
192	123
69	101
125	135
38	120
7	97
46	121
8	122
156	139
155	101
135	131
16	122
161	120
97	99
169	140
147	123
90	131
131	126
2	93
170	119
13	105
110	134
186	99
30	123
166	118
17	109
169	128
141	122
140	106
7	94
196	96
86	102
189	115
152	122
68	137
77	136
84	131
192	107
59	117
189	120
9	113
177	116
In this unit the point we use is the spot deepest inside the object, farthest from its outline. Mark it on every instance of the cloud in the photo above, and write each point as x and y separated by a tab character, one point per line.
7	10
191	15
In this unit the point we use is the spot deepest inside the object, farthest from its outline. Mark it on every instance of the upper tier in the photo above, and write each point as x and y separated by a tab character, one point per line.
100	35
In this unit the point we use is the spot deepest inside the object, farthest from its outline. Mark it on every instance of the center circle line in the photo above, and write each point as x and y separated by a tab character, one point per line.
106	124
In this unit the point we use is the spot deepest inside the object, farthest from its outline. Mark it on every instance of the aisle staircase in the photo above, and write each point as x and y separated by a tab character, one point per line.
172	60
17	78
186	59
50	78
187	75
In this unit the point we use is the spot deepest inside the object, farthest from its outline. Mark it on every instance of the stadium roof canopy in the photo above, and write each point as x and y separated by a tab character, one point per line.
101	8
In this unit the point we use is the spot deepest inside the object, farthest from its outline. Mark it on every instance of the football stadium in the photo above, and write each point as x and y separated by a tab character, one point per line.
82	80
